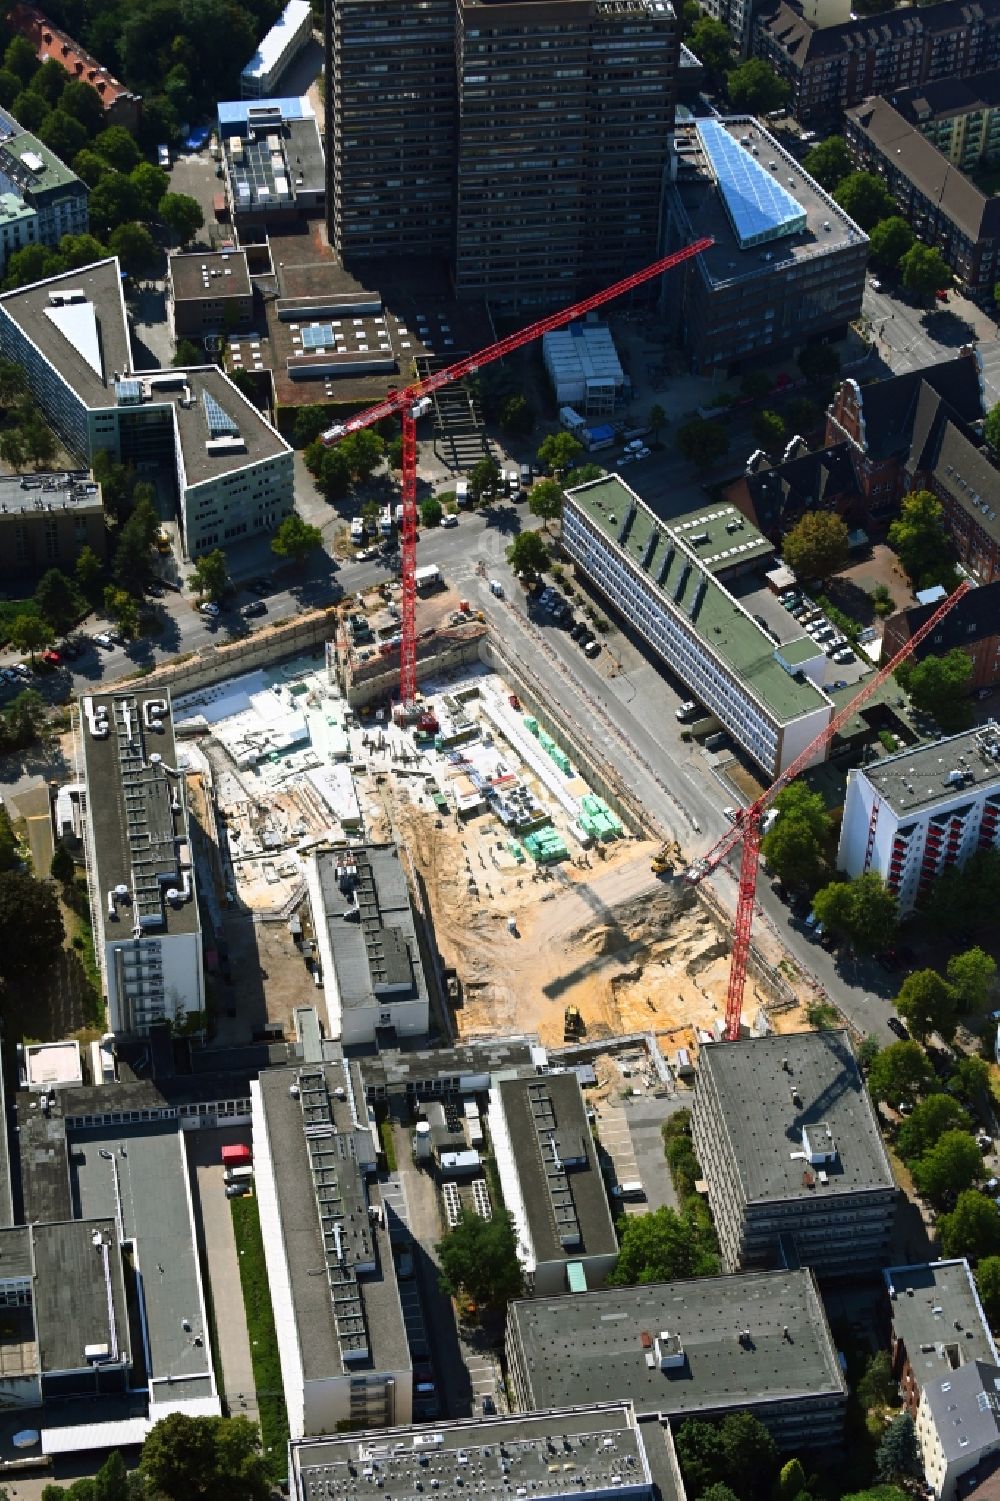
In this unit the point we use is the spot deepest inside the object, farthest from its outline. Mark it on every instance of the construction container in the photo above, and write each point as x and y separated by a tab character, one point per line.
238	1155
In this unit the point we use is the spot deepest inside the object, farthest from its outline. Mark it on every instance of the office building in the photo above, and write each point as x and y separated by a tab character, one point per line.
345	1360
526	144
960	116
45	519
140	871
552	1183
832	67
231	468
40	198
277	51
652	574
971	626
943	205
272	163
787	265
121	106
373	976
757	1342
210	293
467	1069
949	1371
913	816
600	1448
790	1149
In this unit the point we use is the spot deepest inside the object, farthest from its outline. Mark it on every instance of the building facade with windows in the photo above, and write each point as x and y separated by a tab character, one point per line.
282	45
650	572
40	198
45	519
960	116
972	626
915	815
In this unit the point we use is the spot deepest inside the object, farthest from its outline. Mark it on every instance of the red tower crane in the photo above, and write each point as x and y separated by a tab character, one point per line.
747	829
405	402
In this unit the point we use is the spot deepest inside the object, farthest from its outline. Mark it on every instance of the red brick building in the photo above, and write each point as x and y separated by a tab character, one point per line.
121	106
973	625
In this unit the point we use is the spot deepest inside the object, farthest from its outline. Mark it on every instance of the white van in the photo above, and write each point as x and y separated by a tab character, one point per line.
357	531
462	492
632	1189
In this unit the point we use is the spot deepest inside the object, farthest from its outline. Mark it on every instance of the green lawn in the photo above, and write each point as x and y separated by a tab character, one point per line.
263	1338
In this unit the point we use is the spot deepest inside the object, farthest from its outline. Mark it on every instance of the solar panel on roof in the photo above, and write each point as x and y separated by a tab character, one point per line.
758	208
219	424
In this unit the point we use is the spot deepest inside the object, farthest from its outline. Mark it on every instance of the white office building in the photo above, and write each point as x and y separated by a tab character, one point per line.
147	934
914	815
763	694
280	47
70	336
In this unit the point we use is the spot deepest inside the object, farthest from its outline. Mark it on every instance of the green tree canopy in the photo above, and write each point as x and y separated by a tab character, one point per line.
702	441
829	162
364	452
864	911
50	80
31	109
865	198
657	419
919	537
820	364
30	633
924	269
899	1073
972	1229
80	250
794	853
113	201
527	554
931	1118
84	103
972	975
150	183
204	1459
899	1453
31	925
516	417
754	87
940	686
890	240
991	424
62	867
21	58
879	1493
431	512
546	500
210	577
791	1480
970	1081
484	479
296	539
309	423
662	1246
712	44
58	600
134	246
738	1453
479	1257
62	134
88	570
768	430
816	546
952	1164
118	148
182	214
877	1386
559	452
927	1004
122	608
988	1283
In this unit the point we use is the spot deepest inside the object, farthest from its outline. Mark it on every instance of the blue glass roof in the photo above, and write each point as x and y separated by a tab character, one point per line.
220	425
759	209
318	336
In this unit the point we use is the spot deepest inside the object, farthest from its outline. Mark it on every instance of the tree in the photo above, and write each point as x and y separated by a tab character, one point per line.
309	423
484	479
111	1483
991	423
516	417
868	1050
988	1282
899	1453
930	1119
712	44
31	925
768	430
737	1454
134	246
150	183
88	570
865	198
118	148
559	452
334	476
12	449
394	453
49	81
133	555
296	539
890	240
31	109
919	536
39	439
62	867
204	1459
816	546
22	59
882	600
62	134
879	1493
58	600
657	420
754	87
820	364
952	1164
84	103
900	1073
364	451
927	1004
431	512
794	853
479	1257
972	1229
210	578
924	269
829	162
864	911
182	214
583	475
940	686
90	167
970	1081
186	352
717	1492
877	1387
113	201
80	250
546	501
10	87
123	608
702	441
791	1480
29	633
526	554
662	1246
972	975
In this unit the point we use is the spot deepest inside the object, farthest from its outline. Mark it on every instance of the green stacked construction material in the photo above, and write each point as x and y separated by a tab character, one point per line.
516	850
546	742
531	724
561	759
545	847
598	820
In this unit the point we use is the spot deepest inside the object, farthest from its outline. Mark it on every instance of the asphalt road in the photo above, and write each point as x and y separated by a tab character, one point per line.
907	337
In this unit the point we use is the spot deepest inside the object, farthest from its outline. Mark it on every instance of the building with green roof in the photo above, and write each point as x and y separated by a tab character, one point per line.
651	573
40	198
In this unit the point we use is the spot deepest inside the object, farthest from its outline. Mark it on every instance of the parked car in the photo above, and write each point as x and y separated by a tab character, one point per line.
209	607
52	657
255	607
578	630
895	1025
844	656
686	711
103	639
592	649
449	519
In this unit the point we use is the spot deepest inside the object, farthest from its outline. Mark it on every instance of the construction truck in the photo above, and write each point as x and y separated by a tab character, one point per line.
572	1024
665	858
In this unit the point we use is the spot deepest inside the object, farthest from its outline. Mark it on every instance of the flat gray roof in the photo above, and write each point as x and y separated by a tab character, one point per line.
44	1165
936	1312
675	575
397	1071
927	774
79	1292
87	340
377	956
74	491
452	1460
765	1124
209	275
589	1347
376	1317
561	1182
137	809
143	1170
258	440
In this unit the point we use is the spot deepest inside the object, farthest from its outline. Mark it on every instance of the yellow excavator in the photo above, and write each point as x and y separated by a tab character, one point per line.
572	1024
665	858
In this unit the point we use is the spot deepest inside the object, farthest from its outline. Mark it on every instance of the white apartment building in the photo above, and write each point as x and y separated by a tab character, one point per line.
280	47
70	335
762	693
40	198
914	815
140	870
